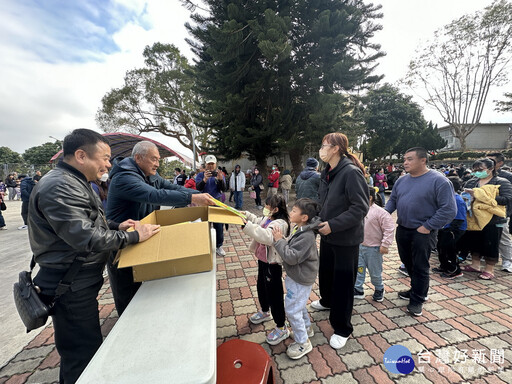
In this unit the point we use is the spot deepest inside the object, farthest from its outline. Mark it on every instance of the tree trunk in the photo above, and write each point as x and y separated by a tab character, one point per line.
261	164
296	159
462	139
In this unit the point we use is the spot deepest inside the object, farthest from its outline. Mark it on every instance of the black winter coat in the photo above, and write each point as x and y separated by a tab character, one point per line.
344	198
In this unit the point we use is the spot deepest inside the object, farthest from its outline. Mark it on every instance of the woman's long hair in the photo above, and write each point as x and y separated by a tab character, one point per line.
341	140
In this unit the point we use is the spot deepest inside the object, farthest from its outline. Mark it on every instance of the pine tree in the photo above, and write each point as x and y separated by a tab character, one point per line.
277	74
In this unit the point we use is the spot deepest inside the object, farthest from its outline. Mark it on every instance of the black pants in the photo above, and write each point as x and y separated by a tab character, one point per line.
447	249
122	284
270	290
337	277
76	322
414	250
257	189
24	211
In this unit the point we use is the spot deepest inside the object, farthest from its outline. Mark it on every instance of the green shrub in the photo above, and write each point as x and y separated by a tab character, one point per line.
471	155
446	155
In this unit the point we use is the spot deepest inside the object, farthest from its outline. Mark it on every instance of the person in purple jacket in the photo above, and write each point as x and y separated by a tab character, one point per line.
424	201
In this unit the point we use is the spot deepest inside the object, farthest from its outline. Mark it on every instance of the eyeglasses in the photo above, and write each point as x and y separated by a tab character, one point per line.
326	145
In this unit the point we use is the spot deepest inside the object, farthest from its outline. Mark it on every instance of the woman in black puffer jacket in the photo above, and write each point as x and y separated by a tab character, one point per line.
344	198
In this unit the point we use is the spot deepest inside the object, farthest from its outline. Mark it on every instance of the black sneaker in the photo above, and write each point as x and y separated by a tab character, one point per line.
378	295
438	270
406	295
453	275
415	309
358	294
403	270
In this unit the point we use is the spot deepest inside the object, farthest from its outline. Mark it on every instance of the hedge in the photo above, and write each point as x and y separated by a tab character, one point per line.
459	155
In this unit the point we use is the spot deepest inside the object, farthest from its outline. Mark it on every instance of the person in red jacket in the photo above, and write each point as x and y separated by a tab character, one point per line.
273	180
191	181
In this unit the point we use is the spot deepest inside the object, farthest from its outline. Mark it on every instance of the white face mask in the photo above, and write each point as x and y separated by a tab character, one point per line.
104	177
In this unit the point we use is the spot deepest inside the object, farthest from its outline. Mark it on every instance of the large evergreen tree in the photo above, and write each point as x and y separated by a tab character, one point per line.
393	123
276	74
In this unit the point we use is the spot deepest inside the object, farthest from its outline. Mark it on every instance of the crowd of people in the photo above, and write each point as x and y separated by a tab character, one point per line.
82	210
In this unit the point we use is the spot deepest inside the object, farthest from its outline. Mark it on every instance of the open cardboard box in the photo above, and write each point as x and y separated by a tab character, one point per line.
177	249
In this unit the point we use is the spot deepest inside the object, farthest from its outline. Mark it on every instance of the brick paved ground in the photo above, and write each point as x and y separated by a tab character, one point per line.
466	323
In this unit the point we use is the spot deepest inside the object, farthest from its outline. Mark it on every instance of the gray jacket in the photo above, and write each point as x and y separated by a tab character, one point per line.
300	254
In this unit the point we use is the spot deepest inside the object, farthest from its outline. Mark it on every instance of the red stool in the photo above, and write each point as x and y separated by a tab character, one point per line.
240	361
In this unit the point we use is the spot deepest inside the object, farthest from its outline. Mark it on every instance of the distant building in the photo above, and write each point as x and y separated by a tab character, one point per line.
483	137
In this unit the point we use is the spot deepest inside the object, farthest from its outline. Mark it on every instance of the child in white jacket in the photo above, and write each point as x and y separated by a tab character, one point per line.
269	284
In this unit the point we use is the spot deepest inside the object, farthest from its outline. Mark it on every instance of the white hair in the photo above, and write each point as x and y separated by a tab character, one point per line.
142	148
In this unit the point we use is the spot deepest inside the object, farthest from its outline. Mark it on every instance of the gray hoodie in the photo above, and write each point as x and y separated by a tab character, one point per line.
300	254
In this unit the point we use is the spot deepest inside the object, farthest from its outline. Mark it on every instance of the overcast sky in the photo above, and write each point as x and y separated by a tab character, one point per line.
59	57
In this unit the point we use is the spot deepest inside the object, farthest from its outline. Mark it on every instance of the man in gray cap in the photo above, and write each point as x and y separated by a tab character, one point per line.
308	182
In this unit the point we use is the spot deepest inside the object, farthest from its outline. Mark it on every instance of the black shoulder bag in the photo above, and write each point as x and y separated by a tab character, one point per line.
33	312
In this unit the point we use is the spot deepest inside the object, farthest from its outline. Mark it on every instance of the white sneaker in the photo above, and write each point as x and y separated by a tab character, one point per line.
337	341
319	307
221	252
296	351
23	227
4	228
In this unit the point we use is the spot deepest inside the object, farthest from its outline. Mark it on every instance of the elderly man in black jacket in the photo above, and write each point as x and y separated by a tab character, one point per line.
66	221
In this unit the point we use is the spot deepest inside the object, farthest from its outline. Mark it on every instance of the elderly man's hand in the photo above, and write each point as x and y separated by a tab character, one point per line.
125	225
146	230
202	199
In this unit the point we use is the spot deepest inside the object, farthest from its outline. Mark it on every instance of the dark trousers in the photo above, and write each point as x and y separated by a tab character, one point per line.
2	220
238	199
414	250
122	284
257	189
337	277
24	211
76	322
447	248
219	234
270	290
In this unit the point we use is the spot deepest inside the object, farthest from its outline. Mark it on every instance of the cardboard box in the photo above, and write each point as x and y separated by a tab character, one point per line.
180	248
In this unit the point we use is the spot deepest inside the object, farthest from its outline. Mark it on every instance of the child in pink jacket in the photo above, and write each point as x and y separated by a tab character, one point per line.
378	236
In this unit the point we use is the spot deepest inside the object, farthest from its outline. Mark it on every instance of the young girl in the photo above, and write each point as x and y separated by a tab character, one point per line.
379	227
269	284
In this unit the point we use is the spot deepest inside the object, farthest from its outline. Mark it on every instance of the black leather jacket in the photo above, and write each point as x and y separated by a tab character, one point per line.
66	218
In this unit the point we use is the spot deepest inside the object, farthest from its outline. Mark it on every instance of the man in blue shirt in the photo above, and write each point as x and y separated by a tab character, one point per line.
424	200
213	182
